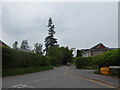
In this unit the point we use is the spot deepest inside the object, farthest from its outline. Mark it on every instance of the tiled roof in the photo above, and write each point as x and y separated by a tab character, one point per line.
98	46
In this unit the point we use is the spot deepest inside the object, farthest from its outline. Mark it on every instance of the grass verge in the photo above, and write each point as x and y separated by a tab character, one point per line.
20	71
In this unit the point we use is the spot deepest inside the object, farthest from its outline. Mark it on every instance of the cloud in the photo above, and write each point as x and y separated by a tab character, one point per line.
79	25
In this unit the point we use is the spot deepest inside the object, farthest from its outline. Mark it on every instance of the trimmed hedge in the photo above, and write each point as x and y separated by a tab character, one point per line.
111	58
12	58
82	62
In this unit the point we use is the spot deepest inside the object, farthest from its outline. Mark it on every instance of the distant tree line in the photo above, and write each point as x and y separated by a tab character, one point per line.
25	47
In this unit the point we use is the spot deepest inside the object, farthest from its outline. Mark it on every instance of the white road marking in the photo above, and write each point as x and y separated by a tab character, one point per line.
21	86
17	85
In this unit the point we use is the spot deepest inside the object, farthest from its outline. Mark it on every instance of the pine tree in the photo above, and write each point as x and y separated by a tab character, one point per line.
50	40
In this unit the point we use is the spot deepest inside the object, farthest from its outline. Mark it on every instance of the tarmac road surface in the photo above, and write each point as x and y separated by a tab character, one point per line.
55	78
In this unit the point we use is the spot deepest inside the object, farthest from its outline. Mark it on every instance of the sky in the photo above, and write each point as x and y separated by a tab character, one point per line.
78	25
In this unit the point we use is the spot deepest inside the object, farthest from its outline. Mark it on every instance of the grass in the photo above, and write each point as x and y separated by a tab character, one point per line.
97	72
20	71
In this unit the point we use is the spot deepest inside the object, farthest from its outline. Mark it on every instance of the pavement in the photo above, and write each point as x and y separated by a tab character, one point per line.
60	77
89	74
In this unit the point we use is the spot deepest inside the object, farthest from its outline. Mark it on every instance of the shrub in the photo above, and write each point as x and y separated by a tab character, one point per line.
82	62
12	58
61	55
19	71
110	58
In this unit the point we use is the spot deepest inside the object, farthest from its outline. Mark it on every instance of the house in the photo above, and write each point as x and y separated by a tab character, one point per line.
2	44
94	51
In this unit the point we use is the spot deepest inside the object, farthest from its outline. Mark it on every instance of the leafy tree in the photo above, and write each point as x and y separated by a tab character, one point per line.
38	48
15	45
24	45
50	40
67	55
78	53
62	54
56	54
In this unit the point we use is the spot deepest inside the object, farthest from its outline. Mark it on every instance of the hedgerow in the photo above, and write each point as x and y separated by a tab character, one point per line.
12	58
110	58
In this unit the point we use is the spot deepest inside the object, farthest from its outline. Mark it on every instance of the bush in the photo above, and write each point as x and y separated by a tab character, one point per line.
115	72
82	62
107	59
19	71
110	58
60	55
12	58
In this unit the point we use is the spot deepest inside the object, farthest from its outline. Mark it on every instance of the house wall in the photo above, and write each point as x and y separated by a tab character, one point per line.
96	52
86	54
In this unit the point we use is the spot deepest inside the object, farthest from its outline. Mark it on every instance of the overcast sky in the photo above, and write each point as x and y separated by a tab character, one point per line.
77	25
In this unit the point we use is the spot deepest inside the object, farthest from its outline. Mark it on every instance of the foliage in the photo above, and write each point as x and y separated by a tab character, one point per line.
15	45
61	55
55	54
13	58
110	58
78	53
82	62
67	55
50	40
24	45
19	71
38	48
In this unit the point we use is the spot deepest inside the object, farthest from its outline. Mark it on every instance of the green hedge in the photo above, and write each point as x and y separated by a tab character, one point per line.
110	58
12	58
82	62
19	71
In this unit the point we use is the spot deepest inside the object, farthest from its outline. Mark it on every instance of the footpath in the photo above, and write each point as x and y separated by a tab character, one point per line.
89	74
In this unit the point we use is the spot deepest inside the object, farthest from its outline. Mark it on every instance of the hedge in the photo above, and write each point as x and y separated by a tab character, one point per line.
12	58
19	71
82	62
110	58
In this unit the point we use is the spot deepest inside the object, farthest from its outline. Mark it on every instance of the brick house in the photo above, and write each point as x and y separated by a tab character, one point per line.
94	51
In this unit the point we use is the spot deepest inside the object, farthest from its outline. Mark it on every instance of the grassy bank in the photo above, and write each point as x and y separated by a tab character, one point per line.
20	71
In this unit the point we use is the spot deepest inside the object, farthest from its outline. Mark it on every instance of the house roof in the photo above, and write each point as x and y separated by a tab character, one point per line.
3	44
99	46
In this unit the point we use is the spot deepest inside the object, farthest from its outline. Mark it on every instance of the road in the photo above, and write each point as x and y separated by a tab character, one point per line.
56	78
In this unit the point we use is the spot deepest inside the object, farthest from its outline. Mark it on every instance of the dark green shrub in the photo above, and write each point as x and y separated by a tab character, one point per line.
61	55
12	58
82	62
110	58
19	71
